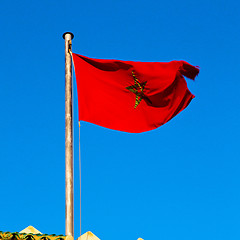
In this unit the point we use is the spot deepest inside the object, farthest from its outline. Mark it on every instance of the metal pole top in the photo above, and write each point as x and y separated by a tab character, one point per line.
72	36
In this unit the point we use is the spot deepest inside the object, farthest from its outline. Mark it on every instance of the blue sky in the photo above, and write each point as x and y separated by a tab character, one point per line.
183	180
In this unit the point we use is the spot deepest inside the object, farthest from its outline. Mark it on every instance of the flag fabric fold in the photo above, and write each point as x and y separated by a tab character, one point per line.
131	96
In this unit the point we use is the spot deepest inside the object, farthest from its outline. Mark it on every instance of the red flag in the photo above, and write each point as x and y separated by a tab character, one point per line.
131	96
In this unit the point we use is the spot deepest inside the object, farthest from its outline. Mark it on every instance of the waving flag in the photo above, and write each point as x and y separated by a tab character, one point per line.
131	96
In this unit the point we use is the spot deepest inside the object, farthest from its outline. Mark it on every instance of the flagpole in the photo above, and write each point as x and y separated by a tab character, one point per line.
69	217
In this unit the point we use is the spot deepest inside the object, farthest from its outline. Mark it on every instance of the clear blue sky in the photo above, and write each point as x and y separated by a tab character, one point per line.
183	180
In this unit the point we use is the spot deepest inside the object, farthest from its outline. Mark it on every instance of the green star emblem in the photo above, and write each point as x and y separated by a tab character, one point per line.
137	89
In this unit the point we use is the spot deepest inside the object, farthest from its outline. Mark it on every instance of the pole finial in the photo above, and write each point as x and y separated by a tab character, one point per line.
72	35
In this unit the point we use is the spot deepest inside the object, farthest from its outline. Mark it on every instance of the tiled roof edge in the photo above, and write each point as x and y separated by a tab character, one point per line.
25	236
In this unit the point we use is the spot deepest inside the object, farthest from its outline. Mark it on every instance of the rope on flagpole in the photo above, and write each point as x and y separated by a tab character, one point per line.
80	167
80	178
70	51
